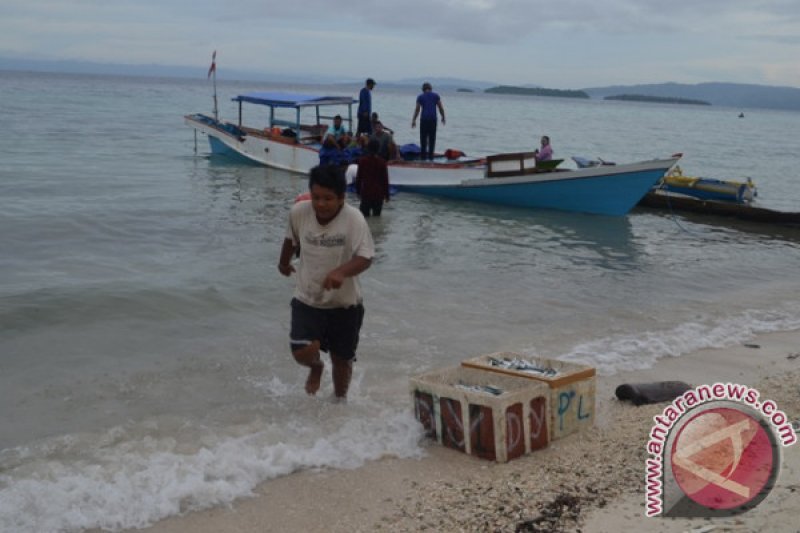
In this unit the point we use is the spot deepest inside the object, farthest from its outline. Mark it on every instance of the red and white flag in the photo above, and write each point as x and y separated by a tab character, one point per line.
213	67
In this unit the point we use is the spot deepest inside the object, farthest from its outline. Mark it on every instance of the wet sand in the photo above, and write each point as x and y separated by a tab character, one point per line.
593	481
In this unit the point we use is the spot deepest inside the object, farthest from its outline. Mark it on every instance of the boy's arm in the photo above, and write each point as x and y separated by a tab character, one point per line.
354	267
284	263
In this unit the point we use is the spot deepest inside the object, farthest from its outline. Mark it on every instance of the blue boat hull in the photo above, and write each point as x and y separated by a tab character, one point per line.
613	194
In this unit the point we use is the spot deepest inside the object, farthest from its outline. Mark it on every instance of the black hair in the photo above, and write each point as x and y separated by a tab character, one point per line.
328	176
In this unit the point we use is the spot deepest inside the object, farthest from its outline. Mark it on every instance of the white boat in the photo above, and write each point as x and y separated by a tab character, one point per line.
284	142
515	179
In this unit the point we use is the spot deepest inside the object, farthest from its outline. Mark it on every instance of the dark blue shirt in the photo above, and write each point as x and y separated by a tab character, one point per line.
365	102
427	102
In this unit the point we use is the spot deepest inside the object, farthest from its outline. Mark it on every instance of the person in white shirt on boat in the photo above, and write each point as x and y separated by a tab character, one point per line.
545	153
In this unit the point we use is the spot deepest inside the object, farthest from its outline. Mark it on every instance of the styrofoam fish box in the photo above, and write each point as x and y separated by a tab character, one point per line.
572	387
488	415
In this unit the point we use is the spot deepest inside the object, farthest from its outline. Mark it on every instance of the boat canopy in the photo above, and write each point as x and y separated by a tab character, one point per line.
292	99
295	101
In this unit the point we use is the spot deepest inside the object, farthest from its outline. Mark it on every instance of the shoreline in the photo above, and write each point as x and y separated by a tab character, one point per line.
592	481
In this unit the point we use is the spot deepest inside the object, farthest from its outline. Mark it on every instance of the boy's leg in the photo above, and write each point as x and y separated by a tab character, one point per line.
345	329
342	374
309	356
305	344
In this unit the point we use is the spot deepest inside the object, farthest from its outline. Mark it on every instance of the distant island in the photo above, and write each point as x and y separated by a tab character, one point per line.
462	90
656	99
536	91
719	94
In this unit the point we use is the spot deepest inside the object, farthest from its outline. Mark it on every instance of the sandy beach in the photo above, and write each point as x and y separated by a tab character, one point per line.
592	482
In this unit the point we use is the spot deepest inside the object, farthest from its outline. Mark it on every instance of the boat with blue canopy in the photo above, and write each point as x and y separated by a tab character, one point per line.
292	132
295	126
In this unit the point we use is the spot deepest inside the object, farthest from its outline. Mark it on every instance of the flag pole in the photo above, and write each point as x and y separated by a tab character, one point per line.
213	70
216	113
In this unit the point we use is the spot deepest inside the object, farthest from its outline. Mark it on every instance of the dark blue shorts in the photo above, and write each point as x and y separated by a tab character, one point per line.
337	330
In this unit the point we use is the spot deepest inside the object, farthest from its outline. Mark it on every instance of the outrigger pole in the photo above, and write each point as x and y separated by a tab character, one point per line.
213	70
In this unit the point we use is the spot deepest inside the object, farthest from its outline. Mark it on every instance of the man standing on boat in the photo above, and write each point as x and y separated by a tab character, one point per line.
427	101
365	108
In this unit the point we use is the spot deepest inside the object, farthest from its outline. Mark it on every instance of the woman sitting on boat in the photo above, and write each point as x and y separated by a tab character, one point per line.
545	153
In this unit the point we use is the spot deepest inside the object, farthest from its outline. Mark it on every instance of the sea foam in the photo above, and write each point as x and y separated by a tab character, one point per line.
641	350
133	483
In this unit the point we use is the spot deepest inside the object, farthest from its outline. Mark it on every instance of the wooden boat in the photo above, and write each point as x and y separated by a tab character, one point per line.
514	179
603	190
743	211
708	189
284	142
733	199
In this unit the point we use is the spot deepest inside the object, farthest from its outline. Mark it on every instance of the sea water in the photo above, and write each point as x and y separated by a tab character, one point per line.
144	359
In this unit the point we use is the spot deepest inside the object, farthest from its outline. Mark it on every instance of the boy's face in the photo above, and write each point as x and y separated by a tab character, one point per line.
326	203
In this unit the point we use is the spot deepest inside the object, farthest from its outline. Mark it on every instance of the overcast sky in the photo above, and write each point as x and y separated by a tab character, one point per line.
565	44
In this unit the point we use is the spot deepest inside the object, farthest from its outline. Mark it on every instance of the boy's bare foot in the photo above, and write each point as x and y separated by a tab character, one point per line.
314	378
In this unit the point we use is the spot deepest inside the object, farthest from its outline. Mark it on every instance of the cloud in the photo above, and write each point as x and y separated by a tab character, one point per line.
513	41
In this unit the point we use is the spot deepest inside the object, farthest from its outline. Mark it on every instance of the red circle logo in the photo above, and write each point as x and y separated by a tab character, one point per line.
722	458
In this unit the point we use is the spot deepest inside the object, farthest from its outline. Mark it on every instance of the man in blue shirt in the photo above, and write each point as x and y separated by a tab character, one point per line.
365	108
428	101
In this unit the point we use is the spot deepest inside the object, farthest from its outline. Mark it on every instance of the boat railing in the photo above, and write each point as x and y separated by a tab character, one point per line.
517	164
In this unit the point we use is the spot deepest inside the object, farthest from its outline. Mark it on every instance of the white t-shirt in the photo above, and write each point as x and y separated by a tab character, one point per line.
324	248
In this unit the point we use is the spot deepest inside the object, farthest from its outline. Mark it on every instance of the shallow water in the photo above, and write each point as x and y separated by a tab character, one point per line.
144	364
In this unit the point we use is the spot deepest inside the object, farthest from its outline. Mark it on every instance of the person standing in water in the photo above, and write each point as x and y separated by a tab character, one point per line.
335	247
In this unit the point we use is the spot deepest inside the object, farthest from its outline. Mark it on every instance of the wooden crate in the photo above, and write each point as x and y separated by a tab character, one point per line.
497	427
572	388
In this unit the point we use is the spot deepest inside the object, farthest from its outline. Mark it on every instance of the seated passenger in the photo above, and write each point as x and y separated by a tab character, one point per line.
545	153
338	129
387	147
375	119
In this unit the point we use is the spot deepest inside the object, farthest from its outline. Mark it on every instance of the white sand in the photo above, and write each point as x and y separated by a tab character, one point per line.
448	491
